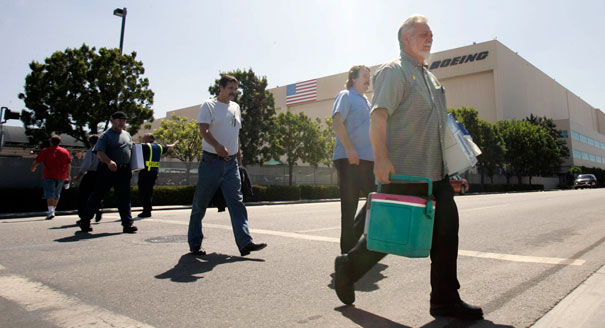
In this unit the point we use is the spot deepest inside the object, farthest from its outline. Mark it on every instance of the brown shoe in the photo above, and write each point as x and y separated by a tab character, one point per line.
252	247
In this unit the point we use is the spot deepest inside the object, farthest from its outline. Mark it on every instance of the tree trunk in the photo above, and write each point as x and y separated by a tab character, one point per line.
290	170
188	174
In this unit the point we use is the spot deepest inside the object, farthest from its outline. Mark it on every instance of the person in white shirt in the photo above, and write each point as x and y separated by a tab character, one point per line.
219	121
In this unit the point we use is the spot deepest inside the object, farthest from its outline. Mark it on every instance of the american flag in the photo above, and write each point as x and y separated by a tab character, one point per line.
301	92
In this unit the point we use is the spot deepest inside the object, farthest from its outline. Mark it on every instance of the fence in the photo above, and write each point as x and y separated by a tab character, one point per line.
15	173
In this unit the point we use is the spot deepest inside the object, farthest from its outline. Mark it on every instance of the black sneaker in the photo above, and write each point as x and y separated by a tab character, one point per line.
130	229
98	216
252	247
83	226
458	310
144	215
345	290
50	217
198	251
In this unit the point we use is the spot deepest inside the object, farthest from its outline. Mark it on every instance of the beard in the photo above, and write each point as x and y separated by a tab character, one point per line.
425	54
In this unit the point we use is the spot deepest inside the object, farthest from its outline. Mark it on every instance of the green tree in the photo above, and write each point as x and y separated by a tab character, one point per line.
299	138
328	140
189	148
530	149
544	154
516	136
258	113
574	171
492	150
557	135
75	90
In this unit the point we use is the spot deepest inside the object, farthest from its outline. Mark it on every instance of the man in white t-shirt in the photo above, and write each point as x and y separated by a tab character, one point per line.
219	121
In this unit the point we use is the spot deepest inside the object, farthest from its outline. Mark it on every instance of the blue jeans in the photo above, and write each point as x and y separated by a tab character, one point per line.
214	172
52	188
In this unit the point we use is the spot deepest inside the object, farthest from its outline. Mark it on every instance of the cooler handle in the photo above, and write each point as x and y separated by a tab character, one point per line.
398	177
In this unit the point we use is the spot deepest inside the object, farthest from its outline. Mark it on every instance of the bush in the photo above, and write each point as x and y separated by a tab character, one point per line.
476	187
275	193
30	199
319	192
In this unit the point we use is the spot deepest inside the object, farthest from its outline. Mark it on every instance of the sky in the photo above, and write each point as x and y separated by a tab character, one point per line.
184	45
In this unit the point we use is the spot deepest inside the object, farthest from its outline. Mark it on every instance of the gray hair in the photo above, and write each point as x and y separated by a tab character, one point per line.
407	27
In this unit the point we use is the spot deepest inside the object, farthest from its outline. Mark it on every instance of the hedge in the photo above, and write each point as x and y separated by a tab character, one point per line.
30	199
476	187
319	192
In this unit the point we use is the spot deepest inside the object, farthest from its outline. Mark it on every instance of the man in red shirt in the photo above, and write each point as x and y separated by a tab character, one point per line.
57	168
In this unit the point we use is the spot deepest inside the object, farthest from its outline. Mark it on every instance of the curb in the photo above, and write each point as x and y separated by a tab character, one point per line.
21	215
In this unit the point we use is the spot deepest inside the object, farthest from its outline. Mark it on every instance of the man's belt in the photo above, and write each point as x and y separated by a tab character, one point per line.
212	155
120	166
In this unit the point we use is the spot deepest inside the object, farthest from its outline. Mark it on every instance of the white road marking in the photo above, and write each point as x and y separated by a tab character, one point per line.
60	309
483	208
261	231
497	256
522	258
320	229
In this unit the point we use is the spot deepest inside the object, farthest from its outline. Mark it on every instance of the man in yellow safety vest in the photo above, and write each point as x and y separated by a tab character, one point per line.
152	152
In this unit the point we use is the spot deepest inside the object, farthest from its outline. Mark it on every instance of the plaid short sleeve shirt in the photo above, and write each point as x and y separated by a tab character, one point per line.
417	110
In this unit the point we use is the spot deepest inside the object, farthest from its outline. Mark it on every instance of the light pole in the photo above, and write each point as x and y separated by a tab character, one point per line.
121	12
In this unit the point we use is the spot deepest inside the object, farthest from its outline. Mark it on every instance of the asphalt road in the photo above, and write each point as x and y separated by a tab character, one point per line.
520	254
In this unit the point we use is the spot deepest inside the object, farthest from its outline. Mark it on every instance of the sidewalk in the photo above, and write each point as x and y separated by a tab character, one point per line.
584	307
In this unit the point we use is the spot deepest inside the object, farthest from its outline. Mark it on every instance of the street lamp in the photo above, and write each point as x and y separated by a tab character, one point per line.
121	12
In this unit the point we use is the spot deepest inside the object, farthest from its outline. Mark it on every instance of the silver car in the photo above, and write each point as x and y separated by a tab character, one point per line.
585	181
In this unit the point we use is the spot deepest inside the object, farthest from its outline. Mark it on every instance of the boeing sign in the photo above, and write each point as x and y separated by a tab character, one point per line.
459	60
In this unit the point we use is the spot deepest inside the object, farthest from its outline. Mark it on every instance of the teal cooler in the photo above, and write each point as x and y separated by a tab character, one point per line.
400	224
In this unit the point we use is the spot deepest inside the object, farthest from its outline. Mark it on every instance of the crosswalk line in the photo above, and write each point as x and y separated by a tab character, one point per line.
298	235
60	309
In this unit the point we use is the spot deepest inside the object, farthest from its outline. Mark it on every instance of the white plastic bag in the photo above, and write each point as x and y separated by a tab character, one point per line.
136	158
460	150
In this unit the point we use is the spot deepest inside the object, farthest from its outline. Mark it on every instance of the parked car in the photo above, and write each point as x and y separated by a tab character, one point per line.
585	181
459	183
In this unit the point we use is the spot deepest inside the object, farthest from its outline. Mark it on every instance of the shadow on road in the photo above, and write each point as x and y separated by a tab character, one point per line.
456	323
67	226
79	235
75	225
23	221
190	266
364	318
369	282
367	319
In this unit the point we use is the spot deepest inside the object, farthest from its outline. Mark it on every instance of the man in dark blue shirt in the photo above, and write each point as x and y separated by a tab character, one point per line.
113	150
